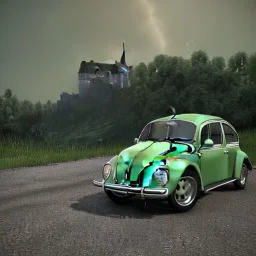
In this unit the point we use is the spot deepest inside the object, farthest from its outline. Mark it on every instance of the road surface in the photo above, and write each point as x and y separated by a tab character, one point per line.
56	210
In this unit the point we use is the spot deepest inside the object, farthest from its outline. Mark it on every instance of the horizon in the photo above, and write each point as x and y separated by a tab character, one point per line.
43	43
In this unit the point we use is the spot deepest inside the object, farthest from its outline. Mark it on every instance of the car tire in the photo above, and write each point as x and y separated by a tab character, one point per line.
118	199
241	182
181	201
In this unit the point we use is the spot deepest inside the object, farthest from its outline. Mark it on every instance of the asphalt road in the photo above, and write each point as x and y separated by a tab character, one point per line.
56	210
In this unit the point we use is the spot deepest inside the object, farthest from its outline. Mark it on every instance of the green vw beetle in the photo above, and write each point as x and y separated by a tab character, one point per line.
176	158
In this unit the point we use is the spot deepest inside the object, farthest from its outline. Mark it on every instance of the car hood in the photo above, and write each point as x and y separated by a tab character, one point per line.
140	155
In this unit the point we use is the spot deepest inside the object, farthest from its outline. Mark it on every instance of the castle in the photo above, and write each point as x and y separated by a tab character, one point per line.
93	75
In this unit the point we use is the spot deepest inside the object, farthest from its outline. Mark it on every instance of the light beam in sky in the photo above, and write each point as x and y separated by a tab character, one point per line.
154	24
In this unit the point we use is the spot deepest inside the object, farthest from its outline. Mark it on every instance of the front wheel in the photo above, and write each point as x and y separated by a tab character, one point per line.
241	182
185	196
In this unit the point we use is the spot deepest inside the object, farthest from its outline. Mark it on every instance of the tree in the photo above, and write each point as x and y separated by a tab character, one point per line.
183	65
140	75
39	111
238	61
140	98
241	59
151	68
191	85
219	62
252	68
48	106
179	80
167	67
231	64
159	59
8	94
27	107
199	58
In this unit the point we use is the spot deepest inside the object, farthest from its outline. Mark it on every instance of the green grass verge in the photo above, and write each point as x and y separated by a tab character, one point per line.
248	143
22	154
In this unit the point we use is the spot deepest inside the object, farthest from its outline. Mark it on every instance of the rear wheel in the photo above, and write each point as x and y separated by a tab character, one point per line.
185	196
241	182
118	198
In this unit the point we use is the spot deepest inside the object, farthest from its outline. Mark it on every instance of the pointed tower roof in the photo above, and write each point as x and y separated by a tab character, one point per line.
122	60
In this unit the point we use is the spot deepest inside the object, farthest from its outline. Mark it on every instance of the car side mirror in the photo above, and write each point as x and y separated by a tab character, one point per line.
208	143
136	140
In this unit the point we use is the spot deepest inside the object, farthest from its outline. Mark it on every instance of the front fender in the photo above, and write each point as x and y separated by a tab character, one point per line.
241	157
113	162
176	169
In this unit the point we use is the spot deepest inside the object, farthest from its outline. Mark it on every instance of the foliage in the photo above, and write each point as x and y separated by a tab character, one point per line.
109	115
199	58
219	62
23	119
252	68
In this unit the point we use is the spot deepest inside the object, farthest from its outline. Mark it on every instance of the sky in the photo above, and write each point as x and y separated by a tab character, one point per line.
42	42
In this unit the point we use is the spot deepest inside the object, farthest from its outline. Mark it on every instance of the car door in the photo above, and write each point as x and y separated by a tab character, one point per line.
214	160
232	145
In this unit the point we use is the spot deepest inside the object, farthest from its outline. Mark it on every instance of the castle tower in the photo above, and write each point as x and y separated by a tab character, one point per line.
122	60
123	71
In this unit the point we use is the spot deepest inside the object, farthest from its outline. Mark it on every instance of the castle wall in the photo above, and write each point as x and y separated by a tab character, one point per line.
67	100
83	88
86	80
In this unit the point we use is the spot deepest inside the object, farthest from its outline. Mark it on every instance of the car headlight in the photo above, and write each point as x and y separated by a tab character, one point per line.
106	171
161	176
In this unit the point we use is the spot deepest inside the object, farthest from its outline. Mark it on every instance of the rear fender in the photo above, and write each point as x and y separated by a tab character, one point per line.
241	158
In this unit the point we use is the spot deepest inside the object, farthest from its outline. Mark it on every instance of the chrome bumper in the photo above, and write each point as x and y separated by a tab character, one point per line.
145	193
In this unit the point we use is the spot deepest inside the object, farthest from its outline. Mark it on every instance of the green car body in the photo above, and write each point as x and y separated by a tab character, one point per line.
203	154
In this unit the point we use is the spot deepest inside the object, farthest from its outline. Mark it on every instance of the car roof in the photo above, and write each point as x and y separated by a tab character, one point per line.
192	117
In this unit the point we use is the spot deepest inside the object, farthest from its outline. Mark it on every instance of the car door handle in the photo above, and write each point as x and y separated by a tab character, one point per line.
225	152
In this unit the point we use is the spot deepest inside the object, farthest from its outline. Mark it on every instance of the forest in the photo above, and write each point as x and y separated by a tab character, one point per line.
225	88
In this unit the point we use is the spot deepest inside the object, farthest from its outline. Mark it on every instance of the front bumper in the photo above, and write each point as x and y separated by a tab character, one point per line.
145	193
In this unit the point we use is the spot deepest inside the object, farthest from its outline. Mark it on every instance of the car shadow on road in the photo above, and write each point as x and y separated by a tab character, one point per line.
100	204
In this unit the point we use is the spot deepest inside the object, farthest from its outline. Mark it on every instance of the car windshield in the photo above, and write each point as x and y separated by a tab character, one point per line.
171	130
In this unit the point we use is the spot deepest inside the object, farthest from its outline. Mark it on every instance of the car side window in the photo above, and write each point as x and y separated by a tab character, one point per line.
216	133
230	134
204	134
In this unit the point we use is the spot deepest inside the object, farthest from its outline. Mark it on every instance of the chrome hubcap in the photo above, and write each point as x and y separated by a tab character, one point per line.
243	175
186	190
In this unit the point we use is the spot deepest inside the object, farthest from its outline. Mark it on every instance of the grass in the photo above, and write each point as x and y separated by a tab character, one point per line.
14	154
248	143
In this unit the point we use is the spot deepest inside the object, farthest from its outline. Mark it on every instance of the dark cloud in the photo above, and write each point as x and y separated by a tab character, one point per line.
43	42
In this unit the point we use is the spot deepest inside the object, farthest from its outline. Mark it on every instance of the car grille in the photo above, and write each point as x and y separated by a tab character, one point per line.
139	181
134	184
